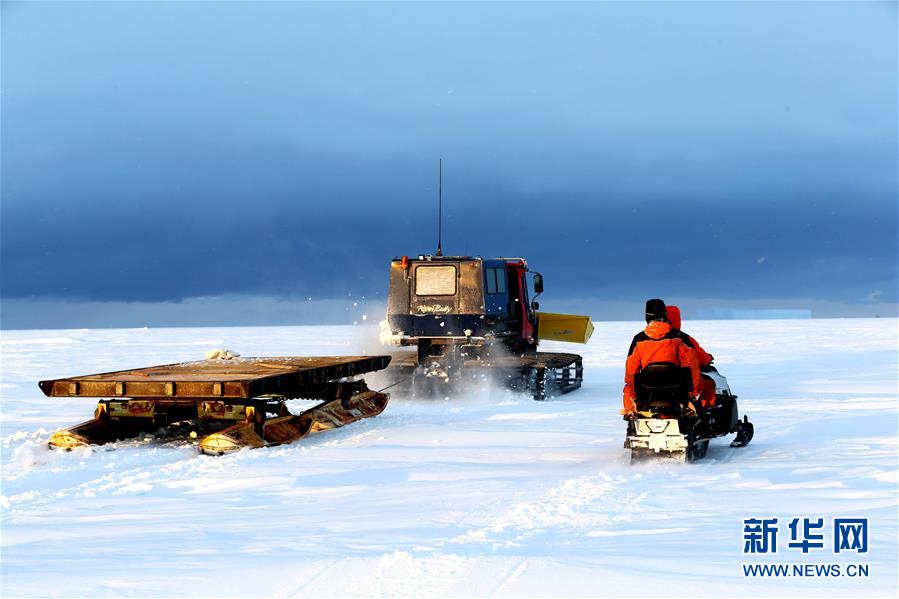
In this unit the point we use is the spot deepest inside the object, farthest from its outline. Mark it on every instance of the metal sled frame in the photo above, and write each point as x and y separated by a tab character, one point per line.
240	402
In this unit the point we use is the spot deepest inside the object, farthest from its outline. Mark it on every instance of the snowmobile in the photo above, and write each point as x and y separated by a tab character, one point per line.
666	426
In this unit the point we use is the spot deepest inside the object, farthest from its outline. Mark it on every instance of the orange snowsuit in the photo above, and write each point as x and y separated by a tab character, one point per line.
658	342
707	385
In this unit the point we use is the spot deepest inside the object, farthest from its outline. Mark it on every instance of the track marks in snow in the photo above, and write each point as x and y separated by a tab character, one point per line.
576	507
326	570
513	573
401	574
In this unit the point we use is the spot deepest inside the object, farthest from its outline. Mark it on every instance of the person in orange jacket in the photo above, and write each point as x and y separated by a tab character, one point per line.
658	342
707	385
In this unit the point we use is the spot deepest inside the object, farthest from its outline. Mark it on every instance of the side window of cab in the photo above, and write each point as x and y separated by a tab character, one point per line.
495	290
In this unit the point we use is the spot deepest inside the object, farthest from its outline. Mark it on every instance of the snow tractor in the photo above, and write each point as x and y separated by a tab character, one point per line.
665	427
234	402
472	315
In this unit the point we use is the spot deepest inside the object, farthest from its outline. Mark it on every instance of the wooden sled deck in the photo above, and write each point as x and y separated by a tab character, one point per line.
239	378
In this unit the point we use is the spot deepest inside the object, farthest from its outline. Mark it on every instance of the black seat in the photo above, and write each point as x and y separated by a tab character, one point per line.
663	387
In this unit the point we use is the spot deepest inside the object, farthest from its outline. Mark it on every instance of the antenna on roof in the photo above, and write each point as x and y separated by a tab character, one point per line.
440	209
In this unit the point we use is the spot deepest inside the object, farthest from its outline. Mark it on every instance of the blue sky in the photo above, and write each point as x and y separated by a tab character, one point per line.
736	154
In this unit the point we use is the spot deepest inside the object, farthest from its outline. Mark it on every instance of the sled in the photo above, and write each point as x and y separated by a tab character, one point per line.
234	403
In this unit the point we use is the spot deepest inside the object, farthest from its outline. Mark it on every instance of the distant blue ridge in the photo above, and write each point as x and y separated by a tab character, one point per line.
728	314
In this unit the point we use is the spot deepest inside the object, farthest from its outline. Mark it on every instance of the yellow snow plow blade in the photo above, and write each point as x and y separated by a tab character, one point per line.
563	327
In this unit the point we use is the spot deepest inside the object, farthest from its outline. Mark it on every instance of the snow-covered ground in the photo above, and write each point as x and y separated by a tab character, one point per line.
487	495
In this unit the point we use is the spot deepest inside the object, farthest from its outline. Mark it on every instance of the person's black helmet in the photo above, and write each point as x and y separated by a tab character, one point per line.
655	310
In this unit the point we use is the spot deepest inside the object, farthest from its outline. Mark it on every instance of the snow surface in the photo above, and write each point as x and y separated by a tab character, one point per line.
492	494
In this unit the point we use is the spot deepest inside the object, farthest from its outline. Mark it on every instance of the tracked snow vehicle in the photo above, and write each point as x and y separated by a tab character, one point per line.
234	403
471	315
666	428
